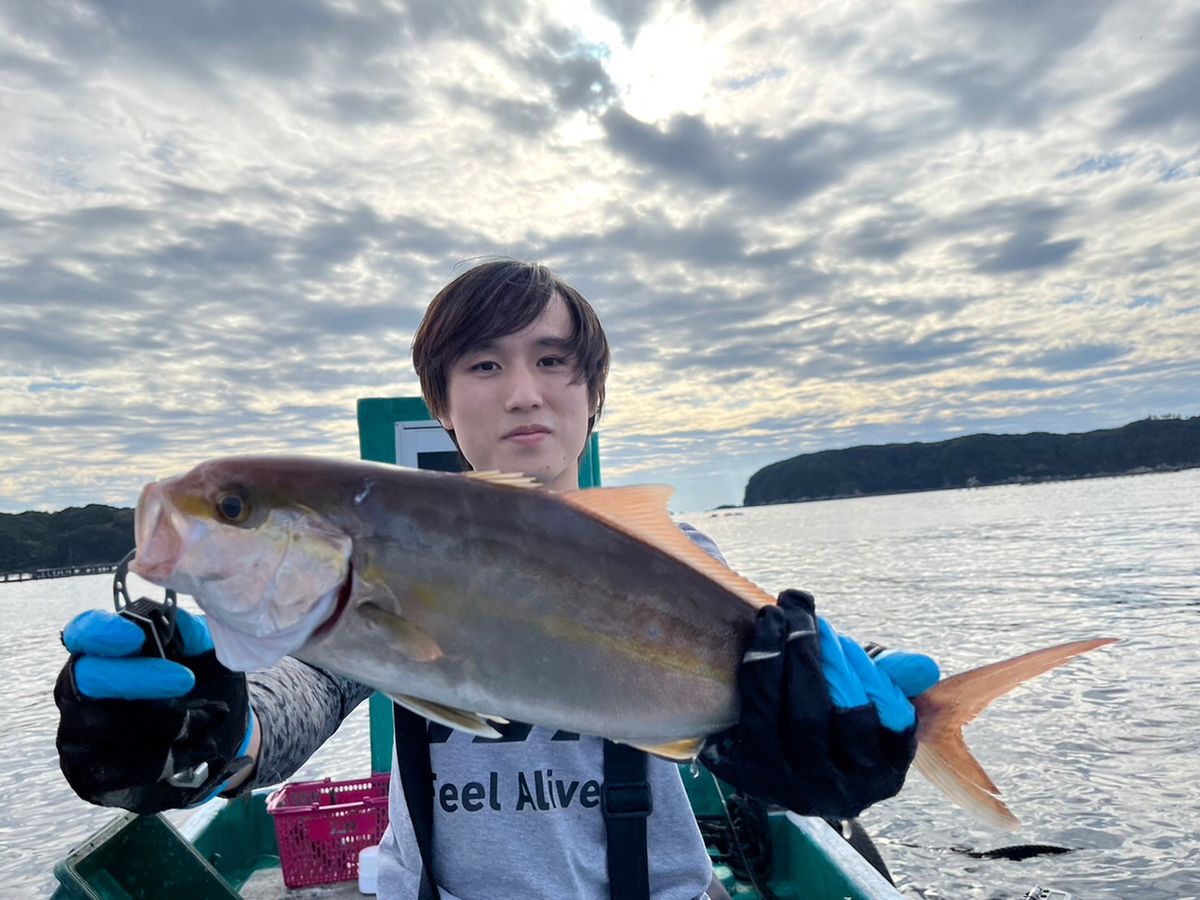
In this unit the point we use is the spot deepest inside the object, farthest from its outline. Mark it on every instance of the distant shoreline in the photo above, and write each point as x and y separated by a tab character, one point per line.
1140	470
74	538
22	575
978	460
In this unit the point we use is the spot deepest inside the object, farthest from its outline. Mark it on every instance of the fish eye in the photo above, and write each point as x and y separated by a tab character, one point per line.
233	508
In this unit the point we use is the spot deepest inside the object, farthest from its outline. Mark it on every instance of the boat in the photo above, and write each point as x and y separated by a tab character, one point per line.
230	849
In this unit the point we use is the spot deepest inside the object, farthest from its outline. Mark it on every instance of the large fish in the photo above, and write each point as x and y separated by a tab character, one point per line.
480	597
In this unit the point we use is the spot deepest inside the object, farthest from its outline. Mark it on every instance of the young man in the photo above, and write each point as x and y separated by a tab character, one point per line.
512	362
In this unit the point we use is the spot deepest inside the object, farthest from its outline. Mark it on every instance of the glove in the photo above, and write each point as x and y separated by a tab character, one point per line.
145	733
824	730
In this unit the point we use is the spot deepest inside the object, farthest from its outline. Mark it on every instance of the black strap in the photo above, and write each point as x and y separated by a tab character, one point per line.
626	801
416	779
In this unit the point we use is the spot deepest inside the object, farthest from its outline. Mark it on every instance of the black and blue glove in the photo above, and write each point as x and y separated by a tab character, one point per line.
824	729
147	733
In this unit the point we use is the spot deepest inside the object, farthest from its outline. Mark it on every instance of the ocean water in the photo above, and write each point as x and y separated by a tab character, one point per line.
1101	757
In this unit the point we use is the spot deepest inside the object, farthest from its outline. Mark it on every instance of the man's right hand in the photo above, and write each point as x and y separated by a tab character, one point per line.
145	733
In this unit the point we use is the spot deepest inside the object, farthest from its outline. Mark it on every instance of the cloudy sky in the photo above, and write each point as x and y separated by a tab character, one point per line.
805	225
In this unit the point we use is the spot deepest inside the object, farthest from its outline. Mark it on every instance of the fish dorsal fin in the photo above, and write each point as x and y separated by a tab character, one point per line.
512	479
641	512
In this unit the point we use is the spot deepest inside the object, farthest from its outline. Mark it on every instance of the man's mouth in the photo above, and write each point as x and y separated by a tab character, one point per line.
528	432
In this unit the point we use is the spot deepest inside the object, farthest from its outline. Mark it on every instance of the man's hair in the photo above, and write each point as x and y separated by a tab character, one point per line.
495	299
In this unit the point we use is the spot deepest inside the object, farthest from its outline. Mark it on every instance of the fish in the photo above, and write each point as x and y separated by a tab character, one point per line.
480	598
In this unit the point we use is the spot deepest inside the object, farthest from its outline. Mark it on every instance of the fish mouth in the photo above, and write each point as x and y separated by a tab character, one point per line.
343	600
157	535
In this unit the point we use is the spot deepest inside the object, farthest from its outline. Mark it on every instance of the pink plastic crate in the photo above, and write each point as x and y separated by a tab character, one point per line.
322	825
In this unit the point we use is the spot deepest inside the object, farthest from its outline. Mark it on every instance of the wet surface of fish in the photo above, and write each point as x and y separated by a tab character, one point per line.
481	597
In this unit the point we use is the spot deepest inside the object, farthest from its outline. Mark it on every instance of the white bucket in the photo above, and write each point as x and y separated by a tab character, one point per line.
368	870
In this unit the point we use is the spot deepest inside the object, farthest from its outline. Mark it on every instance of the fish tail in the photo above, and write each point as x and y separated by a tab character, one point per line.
943	756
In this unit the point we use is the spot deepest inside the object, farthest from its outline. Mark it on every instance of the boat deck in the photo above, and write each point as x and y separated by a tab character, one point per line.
227	850
267	884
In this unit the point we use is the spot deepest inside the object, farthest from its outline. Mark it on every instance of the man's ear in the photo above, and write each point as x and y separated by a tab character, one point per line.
445	422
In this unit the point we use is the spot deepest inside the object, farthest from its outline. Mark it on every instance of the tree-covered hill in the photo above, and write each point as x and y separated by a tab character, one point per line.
103	534
76	536
978	459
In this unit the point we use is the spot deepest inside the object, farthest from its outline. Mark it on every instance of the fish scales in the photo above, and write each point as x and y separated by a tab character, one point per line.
542	613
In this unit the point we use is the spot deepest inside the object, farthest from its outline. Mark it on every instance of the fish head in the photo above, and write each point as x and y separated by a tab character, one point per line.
238	536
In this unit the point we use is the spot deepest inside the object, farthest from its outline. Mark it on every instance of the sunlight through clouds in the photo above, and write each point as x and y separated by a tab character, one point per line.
668	69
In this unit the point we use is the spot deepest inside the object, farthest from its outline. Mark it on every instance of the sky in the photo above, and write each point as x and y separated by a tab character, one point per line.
805	226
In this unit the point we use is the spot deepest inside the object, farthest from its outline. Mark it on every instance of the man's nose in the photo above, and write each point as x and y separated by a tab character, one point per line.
524	391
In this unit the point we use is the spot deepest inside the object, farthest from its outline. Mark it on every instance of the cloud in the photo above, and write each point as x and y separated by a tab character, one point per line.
572	68
357	106
563	75
1026	245
1084	356
271	38
767	170
631	15
995	62
221	223
885	238
1026	250
1174	99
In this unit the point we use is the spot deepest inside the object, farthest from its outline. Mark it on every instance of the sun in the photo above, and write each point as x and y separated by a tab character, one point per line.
668	69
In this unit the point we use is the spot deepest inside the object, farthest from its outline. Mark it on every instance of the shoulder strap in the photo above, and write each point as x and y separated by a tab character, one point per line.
416	780
626	801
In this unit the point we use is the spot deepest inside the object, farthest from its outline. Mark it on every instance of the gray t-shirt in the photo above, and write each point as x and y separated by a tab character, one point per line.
522	818
518	817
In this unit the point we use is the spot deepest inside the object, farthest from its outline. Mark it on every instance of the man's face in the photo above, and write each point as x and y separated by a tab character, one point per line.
518	405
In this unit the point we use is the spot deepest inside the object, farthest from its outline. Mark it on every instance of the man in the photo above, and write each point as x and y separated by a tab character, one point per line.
512	362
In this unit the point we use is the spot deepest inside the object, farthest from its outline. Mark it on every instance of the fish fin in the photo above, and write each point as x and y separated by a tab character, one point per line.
676	751
472	723
413	642
512	479
641	512
943	756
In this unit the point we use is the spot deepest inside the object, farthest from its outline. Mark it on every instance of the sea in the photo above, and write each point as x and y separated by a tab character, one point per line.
1100	759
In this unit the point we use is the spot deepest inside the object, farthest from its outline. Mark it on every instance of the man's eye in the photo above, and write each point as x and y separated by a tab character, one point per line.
486	366
547	361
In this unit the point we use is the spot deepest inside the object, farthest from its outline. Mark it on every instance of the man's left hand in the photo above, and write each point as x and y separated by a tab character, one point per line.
824	729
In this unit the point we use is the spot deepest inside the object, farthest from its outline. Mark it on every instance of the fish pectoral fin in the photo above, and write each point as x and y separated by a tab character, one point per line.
676	751
472	723
412	641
